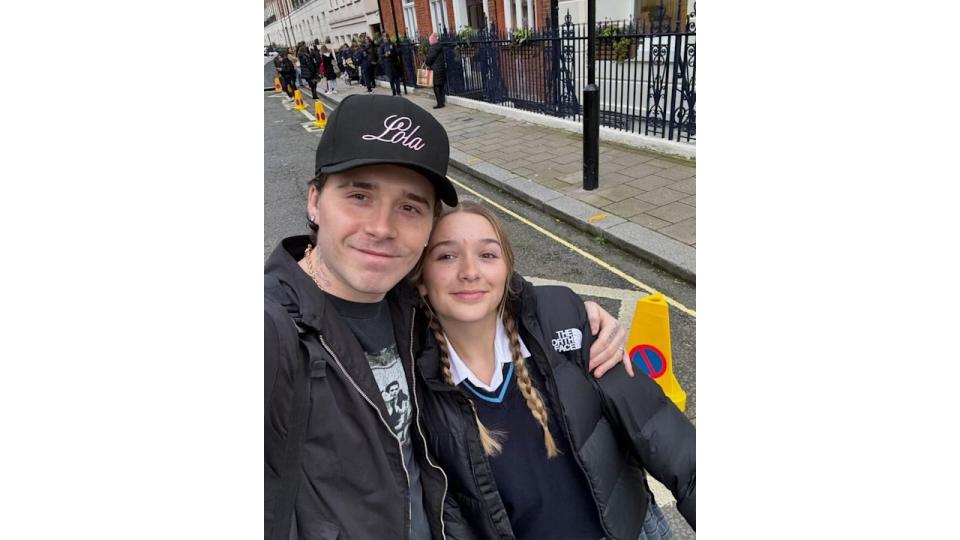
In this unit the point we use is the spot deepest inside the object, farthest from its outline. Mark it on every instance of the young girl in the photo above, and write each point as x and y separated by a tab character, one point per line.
530	444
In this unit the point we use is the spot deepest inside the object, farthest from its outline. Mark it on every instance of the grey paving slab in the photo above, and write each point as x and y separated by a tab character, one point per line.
618	192
629	207
649	221
678	172
688	185
609	167
674	212
590	197
569	157
650	183
662	163
631	158
684	231
538	157
691	200
550	183
661	196
612	179
516	164
572	178
640	170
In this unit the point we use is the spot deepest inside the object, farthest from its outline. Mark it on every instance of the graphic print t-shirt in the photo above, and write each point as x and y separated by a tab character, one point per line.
373	328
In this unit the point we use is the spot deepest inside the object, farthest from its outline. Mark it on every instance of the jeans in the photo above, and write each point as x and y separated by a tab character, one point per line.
655	526
395	85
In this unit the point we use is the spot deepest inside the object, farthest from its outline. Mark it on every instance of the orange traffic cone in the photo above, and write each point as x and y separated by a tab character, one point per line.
320	113
276	85
298	101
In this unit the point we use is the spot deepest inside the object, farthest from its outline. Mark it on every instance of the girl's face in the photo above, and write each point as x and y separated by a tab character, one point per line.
464	272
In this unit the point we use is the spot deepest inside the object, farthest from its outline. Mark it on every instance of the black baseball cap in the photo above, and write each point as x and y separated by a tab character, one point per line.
370	129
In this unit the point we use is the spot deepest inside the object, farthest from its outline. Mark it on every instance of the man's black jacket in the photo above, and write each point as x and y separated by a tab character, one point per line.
328	448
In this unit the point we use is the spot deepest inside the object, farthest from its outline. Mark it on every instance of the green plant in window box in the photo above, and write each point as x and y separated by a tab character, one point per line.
621	47
520	37
465	38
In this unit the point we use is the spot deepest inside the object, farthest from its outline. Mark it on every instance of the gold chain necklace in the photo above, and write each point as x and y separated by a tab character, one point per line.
311	270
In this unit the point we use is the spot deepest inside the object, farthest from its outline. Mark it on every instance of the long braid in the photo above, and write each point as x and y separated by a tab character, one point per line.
530	393
490	440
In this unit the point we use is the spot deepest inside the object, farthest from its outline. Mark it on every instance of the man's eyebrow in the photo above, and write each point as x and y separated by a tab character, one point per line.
357	184
417	198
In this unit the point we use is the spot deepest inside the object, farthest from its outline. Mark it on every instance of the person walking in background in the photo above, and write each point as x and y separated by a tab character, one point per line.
287	72
436	62
317	59
360	61
329	70
309	71
373	60
392	65
294	53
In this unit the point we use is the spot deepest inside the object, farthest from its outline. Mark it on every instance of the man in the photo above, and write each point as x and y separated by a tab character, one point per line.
287	72
373	60
309	69
436	62
392	64
342	454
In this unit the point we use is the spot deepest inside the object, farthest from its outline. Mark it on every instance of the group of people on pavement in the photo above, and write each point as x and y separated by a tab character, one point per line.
418	387
356	61
307	66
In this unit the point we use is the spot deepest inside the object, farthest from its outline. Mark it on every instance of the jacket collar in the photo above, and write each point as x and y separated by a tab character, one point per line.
304	301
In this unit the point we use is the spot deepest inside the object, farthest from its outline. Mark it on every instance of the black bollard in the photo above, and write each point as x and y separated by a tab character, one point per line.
591	137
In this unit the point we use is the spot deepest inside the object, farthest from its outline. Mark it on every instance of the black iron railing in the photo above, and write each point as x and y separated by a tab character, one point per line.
645	69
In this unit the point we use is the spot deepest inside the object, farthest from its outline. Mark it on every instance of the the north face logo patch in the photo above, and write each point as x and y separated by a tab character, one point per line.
570	339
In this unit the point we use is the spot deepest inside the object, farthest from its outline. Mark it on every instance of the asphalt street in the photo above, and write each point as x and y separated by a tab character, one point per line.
289	150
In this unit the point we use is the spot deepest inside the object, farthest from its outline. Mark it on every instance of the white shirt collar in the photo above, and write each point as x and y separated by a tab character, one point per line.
501	347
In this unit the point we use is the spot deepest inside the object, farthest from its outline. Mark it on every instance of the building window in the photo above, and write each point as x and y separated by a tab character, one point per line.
410	19
651	12
438	12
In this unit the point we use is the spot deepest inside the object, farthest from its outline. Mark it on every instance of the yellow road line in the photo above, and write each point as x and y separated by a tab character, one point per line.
576	249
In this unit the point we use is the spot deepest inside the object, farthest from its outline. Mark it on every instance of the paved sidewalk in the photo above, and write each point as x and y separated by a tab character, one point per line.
645	203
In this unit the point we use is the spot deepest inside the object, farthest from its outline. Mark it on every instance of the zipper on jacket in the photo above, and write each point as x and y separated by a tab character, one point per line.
550	380
426	447
387	425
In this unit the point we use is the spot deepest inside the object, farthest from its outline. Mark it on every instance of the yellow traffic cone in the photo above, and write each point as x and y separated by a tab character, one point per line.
298	101
320	113
649	346
276	85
